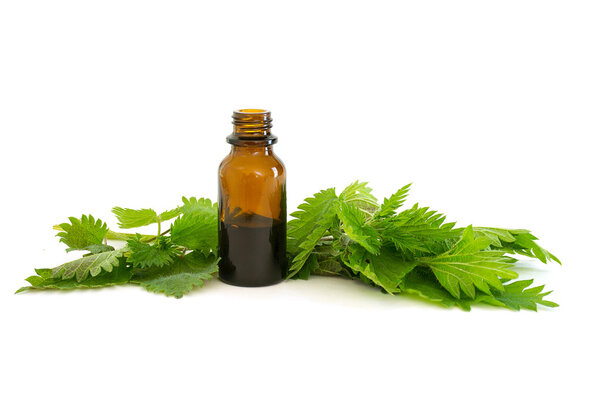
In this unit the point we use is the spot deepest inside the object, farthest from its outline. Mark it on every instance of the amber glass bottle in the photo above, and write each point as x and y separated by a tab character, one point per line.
252	204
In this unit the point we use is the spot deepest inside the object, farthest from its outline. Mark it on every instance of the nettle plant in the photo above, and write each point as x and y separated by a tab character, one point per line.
411	251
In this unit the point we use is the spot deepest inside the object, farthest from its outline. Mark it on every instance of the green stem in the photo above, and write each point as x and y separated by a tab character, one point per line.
326	240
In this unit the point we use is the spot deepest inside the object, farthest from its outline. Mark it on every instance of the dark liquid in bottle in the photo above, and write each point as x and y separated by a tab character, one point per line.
252	251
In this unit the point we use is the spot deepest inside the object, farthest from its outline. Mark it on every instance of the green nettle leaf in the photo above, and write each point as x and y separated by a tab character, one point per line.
44	280
197	227
197	231
516	241
469	265
312	220
143	255
418	231
356	228
386	270
309	267
516	296
496	235
425	285
129	218
91	265
358	194
389	206
525	244
180	277
97	248
170	214
330	267
83	232
200	205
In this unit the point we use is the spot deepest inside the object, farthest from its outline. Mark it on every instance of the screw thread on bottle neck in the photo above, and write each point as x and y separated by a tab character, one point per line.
251	121
252	127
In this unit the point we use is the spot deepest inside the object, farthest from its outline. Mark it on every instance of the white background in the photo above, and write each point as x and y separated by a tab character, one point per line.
490	108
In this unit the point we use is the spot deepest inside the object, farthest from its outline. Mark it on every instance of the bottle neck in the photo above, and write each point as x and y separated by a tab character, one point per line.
252	127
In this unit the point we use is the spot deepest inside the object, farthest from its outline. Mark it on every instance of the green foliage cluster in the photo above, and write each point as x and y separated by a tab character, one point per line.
172	262
413	251
410	251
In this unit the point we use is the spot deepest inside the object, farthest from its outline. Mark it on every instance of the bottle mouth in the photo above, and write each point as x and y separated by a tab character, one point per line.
252	111
252	126
252	118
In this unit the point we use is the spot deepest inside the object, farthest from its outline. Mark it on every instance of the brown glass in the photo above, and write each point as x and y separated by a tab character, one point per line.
252	204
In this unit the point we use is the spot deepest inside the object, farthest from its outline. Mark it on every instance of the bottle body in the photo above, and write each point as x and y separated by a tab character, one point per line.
252	207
